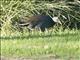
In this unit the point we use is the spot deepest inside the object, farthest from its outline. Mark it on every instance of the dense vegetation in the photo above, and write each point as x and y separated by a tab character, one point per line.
12	11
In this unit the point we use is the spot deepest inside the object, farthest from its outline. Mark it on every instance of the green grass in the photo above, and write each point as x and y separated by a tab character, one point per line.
63	44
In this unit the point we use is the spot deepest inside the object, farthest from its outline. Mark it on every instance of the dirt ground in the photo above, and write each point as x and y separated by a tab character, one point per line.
37	58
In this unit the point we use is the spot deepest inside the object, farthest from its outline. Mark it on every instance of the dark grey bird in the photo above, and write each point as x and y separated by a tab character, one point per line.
40	22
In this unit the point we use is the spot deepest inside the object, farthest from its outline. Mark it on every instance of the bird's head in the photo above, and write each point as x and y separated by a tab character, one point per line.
56	19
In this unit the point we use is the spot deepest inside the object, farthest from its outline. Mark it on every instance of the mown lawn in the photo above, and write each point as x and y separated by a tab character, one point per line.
63	45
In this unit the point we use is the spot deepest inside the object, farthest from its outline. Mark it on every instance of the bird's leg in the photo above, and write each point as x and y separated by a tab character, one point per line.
29	31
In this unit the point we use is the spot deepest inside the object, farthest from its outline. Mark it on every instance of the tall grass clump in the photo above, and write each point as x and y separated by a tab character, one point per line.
11	12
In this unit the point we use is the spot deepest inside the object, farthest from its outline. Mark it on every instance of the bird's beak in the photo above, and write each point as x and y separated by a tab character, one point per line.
60	22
